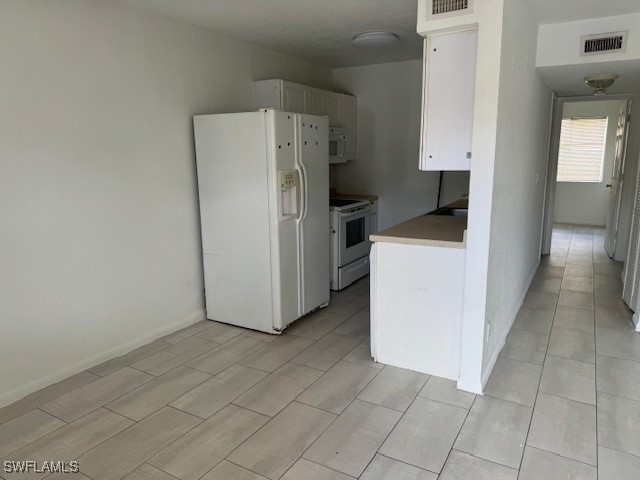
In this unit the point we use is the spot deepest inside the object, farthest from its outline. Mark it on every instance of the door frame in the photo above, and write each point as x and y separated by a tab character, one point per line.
552	162
552	170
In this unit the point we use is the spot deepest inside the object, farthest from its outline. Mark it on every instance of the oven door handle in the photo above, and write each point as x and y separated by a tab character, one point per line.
364	211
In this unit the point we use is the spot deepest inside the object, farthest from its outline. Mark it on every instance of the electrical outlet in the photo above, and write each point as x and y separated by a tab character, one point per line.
488	333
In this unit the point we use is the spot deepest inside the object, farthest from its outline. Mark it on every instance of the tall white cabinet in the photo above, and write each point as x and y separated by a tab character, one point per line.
341	108
449	78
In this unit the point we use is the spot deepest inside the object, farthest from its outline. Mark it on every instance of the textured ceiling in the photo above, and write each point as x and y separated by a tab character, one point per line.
317	30
555	11
321	30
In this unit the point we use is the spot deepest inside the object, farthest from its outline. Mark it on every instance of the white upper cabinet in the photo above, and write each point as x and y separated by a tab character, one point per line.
350	114
341	108
333	109
317	101
294	97
343	112
268	94
447	106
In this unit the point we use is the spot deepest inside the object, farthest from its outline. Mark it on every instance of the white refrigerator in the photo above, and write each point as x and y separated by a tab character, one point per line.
263	181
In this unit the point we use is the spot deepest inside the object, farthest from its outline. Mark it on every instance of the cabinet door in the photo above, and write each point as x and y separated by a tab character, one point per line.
294	97
317	102
448	96
349	111
268	94
334	110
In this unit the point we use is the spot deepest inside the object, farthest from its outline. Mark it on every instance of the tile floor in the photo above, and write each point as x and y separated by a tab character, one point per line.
216	402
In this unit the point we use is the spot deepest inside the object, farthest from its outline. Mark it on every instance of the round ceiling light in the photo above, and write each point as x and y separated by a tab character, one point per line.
600	83
375	39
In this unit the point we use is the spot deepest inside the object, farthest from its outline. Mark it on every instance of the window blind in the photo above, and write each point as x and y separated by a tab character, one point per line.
581	155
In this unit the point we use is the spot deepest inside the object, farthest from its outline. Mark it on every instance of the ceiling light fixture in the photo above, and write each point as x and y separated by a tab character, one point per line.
375	39
600	83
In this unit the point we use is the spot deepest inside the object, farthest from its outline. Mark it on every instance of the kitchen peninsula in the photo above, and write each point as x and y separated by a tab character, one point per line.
417	284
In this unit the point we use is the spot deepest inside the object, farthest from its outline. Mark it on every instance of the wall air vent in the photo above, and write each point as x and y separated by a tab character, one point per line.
438	9
602	43
446	6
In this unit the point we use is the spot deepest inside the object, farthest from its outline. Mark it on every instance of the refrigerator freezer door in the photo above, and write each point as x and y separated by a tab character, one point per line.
313	224
284	213
231	155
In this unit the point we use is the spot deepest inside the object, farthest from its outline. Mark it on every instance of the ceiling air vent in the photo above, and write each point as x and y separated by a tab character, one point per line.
448	8
601	43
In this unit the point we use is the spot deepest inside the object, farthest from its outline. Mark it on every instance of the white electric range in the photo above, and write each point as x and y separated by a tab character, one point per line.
352	221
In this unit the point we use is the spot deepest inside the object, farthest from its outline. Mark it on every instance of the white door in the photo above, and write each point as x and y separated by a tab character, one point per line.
313	224
615	186
317	102
294	97
631	280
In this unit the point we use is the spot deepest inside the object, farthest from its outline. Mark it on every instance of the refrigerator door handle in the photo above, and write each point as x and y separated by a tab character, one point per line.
303	191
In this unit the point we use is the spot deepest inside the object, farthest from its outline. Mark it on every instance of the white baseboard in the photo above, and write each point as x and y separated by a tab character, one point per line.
22	391
503	335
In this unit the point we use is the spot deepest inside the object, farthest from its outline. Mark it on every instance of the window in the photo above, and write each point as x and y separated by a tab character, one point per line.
581	155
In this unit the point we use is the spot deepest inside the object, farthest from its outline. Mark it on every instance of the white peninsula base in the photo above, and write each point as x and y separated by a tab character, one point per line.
416	306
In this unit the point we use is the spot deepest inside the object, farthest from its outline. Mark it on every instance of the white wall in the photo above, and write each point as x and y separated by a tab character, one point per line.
100	247
524	109
488	15
559	43
508	119
588	203
389	143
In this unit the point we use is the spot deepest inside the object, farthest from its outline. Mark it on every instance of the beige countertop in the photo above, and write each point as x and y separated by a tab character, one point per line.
428	230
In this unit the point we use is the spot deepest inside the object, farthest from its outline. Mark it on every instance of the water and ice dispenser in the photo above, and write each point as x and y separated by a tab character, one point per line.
289	187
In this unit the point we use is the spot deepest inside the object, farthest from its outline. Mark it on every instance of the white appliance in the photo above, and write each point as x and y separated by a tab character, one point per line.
263	180
350	244
337	144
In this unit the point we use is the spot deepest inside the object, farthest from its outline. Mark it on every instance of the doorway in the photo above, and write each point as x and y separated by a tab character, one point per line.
586	165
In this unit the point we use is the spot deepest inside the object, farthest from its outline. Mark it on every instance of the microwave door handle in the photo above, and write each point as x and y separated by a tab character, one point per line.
343	146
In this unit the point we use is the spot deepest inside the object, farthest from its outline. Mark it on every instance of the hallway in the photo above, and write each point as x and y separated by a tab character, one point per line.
572	360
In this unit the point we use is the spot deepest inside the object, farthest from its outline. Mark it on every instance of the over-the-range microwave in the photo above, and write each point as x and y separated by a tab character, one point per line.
337	144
